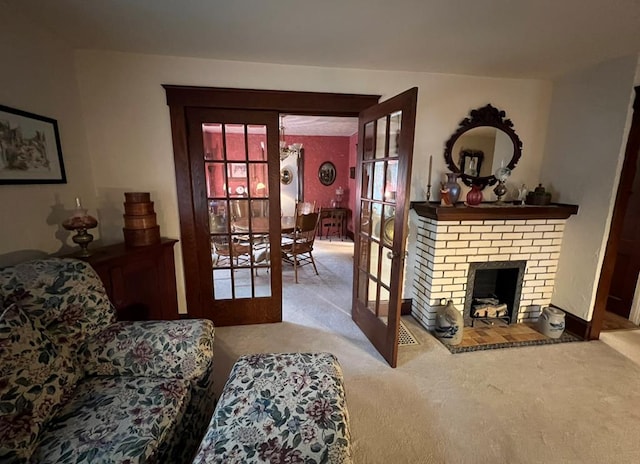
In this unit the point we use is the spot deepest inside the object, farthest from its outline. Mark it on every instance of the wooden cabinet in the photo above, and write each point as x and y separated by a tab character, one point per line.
140	281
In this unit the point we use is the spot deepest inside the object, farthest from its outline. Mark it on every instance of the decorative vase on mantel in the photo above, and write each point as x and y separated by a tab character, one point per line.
453	186
474	197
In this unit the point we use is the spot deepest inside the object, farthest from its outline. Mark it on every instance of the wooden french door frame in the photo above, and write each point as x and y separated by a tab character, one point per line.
382	326
180	98
627	176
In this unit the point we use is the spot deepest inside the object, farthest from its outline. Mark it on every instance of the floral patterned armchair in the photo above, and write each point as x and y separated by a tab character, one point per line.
77	386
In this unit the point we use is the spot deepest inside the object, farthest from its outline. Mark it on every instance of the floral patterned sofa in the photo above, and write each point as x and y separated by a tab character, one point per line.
280	408
76	386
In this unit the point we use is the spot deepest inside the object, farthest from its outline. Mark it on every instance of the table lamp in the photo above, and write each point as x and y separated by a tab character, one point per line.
339	195
80	221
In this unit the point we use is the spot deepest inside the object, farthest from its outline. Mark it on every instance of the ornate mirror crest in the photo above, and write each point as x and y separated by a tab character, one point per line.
487	132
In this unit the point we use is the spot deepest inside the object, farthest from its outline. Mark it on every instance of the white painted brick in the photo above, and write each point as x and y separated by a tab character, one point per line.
448	223
488	251
554	255
542	301
452	288
467	251
460	280
437	274
505	228
548	262
438	259
556	241
469	236
479	243
531	249
525	302
446	267
435	289
536	221
547	295
552	269
447	236
492	236
458	244
498	257
545	289
559	227
456	259
532	235
470	223
527	291
532	263
509	250
516	222
478	259
520	256
512	236
544	228
543	242
480	228
444	252
443	281
540	256
462	266
492	222
523	229
556	221
460	229
460	295
549	275
551	249
537	270
501	243
550	282
456	274
553	235
522	242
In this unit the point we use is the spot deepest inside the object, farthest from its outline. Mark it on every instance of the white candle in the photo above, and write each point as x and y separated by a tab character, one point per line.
430	166
78	203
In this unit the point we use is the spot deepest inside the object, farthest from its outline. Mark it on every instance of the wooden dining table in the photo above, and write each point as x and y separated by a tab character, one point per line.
260	225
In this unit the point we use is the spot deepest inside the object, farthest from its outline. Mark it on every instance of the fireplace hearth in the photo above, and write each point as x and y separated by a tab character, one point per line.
493	292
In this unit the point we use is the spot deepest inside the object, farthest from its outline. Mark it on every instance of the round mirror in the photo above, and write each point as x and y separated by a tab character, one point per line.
484	143
327	173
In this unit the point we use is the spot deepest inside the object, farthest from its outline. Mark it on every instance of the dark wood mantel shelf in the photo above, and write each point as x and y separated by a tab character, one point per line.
461	212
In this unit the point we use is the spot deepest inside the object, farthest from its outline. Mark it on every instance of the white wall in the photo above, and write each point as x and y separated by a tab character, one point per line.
588	127
129	134
38	76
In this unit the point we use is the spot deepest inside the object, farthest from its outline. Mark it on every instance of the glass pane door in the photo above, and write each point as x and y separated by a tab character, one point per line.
230	163
386	137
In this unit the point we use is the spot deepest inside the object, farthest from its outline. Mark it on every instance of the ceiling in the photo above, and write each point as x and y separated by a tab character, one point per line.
500	38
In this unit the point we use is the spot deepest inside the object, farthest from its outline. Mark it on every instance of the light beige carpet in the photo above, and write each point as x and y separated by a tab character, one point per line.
566	403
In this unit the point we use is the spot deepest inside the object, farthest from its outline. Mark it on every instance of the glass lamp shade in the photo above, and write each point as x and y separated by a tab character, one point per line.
502	173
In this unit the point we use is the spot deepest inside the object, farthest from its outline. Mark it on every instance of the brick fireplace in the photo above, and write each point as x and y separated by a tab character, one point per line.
451	241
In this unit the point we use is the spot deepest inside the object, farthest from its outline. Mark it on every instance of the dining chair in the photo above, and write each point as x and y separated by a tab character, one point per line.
223	253
297	247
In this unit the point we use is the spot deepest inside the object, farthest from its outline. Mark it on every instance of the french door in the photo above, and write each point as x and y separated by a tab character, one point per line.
234	165
385	152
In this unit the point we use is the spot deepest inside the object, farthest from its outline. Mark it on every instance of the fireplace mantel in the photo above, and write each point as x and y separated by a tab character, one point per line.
490	211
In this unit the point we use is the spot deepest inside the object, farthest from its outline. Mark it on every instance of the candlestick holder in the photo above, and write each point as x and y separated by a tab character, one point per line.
428	192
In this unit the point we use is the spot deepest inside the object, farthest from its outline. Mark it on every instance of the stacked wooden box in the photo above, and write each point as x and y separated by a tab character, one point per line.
140	225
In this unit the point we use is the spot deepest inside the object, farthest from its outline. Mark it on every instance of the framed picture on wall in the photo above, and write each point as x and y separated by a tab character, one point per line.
237	171
30	150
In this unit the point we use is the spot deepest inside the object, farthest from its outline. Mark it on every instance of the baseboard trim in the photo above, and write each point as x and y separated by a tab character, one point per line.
405	307
576	325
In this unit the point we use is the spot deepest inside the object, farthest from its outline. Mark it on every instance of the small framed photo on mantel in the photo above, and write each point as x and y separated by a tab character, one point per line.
30	150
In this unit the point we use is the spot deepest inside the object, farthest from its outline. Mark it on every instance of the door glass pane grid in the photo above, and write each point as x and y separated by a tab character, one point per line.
379	174
395	127
212	141
257	142
367	179
382	138
391	181
233	180
369	140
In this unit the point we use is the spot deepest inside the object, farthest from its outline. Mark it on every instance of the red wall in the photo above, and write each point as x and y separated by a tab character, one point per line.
317	150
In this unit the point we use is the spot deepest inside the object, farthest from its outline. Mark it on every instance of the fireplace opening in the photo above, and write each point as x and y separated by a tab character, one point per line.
493	292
